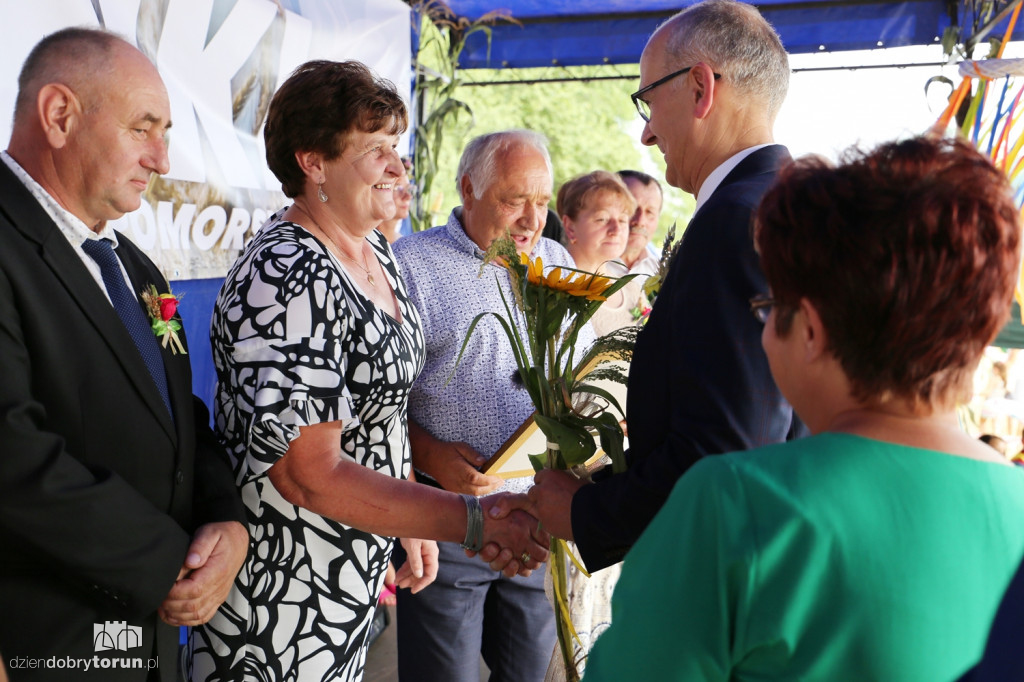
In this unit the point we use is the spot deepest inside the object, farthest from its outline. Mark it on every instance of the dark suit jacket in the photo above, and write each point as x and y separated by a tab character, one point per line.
699	382
99	489
1002	661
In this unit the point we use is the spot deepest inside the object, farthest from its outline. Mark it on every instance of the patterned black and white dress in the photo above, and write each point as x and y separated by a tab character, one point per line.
295	343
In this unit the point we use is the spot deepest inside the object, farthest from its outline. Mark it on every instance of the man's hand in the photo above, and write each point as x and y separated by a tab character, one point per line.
421	563
549	500
513	544
213	560
499	507
453	465
552	500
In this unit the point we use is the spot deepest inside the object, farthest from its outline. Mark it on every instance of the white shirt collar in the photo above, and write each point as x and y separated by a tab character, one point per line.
713	180
73	229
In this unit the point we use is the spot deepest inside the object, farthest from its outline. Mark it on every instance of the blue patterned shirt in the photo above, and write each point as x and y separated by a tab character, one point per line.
480	405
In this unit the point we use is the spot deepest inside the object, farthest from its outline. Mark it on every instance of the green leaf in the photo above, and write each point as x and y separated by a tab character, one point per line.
575	443
600	392
465	341
534	382
540	462
610	434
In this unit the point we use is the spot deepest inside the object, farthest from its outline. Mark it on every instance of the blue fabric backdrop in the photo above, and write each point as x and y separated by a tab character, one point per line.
570	32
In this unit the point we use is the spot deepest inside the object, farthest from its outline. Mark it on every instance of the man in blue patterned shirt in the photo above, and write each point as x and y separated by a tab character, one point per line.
505	181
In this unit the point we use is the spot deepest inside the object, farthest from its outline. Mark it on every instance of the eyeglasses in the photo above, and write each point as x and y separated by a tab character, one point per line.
643	107
761	306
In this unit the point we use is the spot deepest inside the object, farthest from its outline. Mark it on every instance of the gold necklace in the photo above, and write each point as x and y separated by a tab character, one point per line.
364	266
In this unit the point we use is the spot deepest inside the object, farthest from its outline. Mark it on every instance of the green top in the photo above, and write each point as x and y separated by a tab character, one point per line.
830	558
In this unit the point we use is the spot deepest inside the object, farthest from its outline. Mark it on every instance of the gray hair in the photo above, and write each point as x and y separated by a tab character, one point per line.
736	41
480	157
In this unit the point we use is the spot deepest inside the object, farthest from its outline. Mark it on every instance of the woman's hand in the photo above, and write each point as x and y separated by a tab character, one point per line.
420	567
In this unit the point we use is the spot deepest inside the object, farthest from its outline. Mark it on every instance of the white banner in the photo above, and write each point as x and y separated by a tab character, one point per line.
221	60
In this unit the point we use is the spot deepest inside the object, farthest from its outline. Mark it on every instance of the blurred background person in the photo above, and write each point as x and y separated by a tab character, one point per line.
316	345
878	548
996	443
640	257
595	210
405	192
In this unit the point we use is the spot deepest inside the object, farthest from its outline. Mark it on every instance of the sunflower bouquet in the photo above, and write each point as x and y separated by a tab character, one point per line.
572	409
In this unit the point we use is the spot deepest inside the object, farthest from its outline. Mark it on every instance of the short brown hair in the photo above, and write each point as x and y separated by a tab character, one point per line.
910	254
573	195
318	106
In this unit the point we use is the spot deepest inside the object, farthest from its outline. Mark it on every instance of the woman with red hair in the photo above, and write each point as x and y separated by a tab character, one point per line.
877	549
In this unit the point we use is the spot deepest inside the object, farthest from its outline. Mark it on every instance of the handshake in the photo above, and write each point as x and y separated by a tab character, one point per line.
512	540
531	519
515	529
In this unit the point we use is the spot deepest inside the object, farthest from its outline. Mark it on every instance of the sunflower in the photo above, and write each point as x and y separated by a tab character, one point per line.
534	269
573	282
589	285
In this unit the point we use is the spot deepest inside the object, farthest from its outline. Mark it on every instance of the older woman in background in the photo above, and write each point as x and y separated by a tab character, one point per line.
404	193
878	548
316	345
595	210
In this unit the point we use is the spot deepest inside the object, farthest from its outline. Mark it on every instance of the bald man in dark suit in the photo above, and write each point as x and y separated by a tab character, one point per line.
119	519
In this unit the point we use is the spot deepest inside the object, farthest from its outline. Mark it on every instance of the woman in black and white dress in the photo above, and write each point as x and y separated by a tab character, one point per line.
316	346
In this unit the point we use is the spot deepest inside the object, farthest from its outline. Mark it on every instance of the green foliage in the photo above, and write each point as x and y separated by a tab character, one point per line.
589	125
970	22
442	37
590	122
585	122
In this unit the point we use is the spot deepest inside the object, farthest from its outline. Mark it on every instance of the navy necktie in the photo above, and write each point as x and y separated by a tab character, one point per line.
128	309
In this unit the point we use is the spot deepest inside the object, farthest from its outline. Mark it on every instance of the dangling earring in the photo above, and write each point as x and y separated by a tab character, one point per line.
320	193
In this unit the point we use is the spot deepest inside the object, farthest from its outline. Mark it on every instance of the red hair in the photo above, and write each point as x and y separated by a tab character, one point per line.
910	254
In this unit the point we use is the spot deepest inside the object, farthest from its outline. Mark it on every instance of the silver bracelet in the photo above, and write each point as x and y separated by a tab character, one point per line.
474	541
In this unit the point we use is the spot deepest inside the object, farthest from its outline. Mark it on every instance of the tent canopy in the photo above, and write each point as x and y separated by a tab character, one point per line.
572	33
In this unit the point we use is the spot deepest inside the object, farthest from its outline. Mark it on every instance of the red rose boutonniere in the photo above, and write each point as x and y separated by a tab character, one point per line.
162	308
